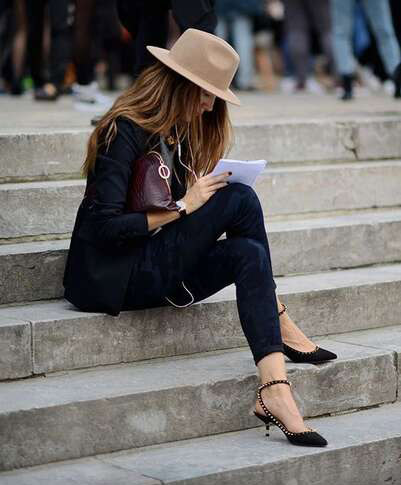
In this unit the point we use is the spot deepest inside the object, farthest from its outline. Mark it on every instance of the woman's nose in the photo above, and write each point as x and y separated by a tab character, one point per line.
208	105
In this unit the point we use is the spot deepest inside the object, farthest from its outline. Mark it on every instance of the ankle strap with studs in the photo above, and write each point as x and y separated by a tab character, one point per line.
270	383
283	310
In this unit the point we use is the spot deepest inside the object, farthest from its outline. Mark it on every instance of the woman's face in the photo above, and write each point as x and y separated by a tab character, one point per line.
206	101
206	104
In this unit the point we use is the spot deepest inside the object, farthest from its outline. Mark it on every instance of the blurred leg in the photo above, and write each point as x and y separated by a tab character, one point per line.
319	13
83	39
342	21
242	31
297	31
60	40
35	14
379	17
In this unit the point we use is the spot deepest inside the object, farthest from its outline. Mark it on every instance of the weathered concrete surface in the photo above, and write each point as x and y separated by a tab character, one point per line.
249	458
320	244
46	154
378	140
38	208
46	419
387	338
34	271
321	304
91	471
279	129
310	188
15	348
312	140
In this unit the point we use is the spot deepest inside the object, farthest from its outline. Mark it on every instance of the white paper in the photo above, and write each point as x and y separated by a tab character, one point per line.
244	171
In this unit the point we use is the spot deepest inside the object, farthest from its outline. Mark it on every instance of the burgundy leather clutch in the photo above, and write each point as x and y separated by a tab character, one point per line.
149	189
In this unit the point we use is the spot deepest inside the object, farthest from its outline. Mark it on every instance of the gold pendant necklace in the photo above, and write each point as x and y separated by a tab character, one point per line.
170	140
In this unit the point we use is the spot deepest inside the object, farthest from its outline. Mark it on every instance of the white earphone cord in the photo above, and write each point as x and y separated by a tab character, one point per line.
179	154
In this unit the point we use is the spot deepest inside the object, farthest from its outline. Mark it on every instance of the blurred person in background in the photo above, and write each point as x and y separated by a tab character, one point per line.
268	40
301	18
161	22
235	25
13	33
396	12
379	16
47	86
95	21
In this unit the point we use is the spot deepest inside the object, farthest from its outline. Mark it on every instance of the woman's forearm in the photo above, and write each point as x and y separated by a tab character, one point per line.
160	218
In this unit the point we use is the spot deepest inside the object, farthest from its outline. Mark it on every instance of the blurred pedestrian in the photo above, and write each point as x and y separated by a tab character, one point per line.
379	16
161	22
236	22
94	19
47	87
13	35
301	18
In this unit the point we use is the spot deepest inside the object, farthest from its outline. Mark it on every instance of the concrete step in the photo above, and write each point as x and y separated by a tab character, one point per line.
82	413
33	271
364	448
47	337
39	208
58	152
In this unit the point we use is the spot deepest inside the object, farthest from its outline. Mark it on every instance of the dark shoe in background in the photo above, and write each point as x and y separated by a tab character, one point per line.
16	88
47	92
397	81
347	80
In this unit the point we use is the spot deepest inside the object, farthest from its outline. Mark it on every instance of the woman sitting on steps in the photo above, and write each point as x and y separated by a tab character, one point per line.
121	260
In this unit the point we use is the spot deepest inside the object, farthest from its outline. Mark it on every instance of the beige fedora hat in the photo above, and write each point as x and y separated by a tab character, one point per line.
204	59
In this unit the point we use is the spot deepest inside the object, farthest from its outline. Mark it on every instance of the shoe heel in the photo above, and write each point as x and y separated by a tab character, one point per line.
266	420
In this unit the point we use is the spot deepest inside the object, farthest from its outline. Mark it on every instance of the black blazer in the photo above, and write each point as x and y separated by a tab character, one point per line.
106	241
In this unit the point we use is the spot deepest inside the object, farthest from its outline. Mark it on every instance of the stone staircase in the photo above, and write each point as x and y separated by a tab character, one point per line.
165	396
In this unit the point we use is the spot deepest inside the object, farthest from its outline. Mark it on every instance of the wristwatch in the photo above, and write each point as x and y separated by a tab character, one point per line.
182	208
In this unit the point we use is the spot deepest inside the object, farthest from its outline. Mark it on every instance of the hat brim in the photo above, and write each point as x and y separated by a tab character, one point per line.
163	55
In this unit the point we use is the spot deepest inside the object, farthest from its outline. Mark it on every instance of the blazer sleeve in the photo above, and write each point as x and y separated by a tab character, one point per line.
113	171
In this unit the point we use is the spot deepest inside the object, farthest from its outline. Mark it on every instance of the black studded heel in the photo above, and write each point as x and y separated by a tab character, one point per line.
303	438
317	355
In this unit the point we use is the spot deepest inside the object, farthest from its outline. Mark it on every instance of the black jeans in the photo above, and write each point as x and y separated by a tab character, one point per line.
187	251
60	40
301	16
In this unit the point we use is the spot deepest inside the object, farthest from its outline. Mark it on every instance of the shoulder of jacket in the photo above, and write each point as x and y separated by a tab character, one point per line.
132	129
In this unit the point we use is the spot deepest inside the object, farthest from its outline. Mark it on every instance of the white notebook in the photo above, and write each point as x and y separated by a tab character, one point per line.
244	171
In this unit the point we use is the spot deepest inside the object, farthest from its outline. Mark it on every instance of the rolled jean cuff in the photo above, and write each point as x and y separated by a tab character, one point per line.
257	356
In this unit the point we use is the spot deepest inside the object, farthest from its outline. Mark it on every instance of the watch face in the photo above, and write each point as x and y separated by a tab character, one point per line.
180	204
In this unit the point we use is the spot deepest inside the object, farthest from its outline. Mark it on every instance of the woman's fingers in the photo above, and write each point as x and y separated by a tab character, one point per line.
213	179
215	187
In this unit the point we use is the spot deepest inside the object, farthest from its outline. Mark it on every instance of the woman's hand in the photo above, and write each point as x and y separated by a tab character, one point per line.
203	189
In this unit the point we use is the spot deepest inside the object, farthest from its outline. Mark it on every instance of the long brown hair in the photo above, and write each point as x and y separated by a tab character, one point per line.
159	100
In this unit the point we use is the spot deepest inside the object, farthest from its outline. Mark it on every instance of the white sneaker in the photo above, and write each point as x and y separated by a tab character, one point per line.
389	87
314	87
90	98
369	79
288	85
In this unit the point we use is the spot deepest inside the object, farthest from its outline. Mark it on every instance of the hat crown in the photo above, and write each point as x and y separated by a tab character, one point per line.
206	56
